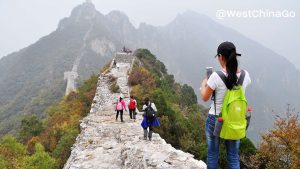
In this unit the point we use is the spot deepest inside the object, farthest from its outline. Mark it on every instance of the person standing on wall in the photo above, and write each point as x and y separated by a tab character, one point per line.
120	106
150	119
221	83
132	108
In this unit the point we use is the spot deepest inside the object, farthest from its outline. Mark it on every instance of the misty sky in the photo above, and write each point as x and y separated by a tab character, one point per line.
24	22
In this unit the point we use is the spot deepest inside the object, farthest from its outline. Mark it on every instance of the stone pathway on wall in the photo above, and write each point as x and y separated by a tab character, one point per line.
110	144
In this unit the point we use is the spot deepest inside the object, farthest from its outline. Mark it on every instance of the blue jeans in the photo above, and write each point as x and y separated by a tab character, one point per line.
232	147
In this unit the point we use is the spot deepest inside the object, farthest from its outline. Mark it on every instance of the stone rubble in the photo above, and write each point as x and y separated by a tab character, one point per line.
110	144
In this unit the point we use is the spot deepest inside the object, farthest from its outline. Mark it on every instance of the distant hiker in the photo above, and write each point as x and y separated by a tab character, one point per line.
120	106
132	107
114	63
150	120
221	84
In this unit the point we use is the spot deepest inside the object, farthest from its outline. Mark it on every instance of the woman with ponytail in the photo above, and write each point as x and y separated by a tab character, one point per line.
227	58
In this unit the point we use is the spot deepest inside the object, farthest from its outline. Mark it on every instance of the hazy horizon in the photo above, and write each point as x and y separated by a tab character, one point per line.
24	22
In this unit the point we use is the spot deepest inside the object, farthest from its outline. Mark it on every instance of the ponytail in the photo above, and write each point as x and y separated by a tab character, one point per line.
231	67
228	51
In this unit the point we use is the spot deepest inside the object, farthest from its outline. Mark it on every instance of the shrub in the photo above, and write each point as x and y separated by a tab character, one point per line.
4	164
30	126
280	147
40	159
11	152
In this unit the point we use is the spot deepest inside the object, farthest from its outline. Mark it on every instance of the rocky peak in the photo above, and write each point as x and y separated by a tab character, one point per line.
120	24
120	20
83	11
118	17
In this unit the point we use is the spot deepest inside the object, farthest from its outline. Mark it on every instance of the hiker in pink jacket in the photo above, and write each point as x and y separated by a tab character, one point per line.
120	106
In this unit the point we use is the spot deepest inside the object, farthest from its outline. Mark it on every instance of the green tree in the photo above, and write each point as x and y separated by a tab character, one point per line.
62	150
11	148
188	96
40	159
4	164
30	126
11	152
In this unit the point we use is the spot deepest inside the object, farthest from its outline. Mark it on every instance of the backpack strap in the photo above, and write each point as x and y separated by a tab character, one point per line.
222	76
240	80
242	77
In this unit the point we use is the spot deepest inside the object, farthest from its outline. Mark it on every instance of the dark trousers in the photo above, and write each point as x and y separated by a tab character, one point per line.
132	113
121	114
150	130
149	134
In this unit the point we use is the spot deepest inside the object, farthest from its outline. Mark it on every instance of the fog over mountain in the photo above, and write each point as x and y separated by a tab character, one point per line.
32	79
24	22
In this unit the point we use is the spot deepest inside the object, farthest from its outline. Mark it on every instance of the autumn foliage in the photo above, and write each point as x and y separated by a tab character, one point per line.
280	147
142	76
47	144
62	126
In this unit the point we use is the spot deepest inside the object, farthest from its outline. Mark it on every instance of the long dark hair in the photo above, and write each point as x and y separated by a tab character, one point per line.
231	68
228	51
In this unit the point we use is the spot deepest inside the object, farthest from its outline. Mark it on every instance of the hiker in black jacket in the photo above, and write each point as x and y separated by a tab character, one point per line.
150	120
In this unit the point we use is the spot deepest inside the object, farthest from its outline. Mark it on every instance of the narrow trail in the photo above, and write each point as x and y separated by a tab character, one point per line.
72	75
107	143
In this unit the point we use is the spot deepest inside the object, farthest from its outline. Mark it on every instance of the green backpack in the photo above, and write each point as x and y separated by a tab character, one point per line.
234	111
